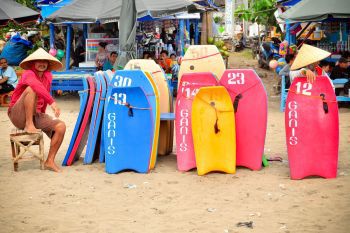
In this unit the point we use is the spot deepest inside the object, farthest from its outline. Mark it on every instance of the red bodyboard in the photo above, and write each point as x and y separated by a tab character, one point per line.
248	92
188	88
312	129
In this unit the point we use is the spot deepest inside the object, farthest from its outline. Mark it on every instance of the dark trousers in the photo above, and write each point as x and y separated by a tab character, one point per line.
5	88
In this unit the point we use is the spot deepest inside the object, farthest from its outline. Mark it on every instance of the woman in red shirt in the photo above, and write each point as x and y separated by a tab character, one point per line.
30	99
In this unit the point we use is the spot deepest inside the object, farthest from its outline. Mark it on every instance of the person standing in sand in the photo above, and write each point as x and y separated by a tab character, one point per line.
30	99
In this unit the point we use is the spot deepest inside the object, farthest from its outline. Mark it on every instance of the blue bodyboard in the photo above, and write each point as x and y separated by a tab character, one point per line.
128	131
102	148
94	125
134	78
83	101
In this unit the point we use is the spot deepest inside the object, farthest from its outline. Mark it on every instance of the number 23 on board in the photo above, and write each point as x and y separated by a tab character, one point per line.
236	78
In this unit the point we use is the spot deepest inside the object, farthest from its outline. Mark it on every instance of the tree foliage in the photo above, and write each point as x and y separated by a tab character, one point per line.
18	27
27	3
259	11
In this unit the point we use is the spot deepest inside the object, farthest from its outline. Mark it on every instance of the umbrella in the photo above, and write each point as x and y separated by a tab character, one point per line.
11	10
127	33
317	10
110	10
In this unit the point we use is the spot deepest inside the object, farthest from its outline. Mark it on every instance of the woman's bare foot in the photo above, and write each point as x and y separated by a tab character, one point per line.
31	129
52	166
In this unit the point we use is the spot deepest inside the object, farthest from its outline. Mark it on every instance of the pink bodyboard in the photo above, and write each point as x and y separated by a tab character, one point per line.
312	129
188	88
250	104
84	123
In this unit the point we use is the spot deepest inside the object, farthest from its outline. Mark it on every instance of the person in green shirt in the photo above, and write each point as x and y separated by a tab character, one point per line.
108	65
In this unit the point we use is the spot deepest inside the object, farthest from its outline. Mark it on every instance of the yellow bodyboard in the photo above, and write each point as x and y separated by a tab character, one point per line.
157	123
202	58
213	130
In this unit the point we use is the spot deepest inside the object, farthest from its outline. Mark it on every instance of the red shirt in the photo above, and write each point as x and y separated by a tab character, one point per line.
41	86
319	70
167	67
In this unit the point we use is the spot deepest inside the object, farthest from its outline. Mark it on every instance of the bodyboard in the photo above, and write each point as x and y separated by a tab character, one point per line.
95	125
249	98
83	101
202	58
312	129
159	78
141	79
188	88
129	131
107	75
213	129
80	141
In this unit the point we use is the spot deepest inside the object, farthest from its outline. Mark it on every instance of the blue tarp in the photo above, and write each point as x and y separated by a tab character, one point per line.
288	2
15	50
50	6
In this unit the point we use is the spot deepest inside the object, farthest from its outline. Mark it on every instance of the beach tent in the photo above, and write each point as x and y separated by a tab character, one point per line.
11	10
105	11
317	10
126	11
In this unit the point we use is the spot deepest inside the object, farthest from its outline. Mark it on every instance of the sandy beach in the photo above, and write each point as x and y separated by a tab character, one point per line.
83	198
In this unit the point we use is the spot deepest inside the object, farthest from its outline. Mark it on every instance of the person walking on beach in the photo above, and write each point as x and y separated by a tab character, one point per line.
30	99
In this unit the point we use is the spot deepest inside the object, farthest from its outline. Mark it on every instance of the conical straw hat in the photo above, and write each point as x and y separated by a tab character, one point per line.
41	54
307	55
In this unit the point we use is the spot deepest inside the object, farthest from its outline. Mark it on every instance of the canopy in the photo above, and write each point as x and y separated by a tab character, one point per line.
317	10
11	10
110	10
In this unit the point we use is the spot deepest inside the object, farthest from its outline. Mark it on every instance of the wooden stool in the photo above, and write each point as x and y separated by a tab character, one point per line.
22	142
3	99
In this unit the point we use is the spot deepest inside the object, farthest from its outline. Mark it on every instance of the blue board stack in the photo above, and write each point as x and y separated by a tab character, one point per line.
124	123
94	138
83	101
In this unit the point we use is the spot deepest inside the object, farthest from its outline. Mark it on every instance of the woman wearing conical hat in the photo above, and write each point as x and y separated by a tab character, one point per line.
306	63
30	99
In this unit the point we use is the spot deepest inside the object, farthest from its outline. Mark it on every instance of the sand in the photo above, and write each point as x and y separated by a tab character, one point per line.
85	199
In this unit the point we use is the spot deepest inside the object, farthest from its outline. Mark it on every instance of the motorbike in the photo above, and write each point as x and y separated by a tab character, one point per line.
254	45
238	45
268	50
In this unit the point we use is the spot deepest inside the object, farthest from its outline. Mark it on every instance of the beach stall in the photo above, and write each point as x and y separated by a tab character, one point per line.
102	12
324	25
